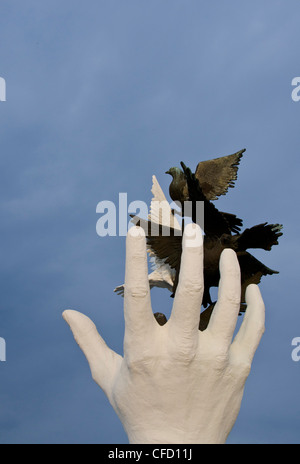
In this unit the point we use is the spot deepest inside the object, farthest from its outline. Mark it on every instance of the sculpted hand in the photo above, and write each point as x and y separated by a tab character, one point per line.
176	384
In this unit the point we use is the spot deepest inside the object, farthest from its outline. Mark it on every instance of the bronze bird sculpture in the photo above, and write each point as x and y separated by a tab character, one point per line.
214	176
211	179
222	230
167	247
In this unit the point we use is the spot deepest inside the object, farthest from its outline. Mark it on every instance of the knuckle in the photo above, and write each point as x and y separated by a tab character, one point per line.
245	369
220	362
242	367
143	364
217	356
220	357
183	351
137	292
233	298
240	363
193	288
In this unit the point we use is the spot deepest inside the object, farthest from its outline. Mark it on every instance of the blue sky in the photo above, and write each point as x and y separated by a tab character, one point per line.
101	95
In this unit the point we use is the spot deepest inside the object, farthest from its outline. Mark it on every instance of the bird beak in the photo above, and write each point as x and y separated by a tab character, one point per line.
167	172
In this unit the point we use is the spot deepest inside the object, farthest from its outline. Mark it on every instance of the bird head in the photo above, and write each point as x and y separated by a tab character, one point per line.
174	172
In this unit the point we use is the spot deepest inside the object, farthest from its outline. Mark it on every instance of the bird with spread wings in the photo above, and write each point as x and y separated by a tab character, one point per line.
222	230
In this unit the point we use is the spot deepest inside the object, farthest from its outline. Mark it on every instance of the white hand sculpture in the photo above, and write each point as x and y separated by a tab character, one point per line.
176	384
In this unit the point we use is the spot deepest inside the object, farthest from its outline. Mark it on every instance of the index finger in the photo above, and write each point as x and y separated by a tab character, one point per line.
137	303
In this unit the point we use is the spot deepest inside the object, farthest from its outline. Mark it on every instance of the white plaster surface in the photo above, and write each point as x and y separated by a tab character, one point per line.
175	384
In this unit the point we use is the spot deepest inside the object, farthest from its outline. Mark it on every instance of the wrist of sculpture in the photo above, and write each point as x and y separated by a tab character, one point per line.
172	436
159	428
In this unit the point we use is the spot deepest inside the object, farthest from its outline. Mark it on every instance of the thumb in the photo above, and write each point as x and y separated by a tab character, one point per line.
104	362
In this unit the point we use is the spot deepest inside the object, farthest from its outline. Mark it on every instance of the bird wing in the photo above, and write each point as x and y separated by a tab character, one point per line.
165	272
161	225
160	279
160	210
215	222
165	243
252	271
205	317
233	221
260	236
119	290
157	278
167	249
217	175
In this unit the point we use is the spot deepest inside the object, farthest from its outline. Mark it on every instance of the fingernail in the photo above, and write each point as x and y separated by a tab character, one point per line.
192	236
136	232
